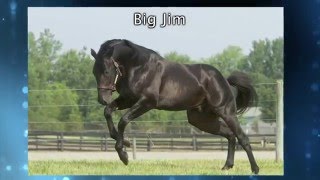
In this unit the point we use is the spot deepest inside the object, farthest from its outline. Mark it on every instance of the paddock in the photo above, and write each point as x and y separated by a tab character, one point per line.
148	163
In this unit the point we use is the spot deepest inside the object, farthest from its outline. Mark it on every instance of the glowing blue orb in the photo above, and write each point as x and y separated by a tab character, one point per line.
8	168
26	133
25	104
308	155
13	7
25	90
25	167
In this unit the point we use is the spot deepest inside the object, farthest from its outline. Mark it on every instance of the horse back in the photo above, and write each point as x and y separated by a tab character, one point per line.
180	86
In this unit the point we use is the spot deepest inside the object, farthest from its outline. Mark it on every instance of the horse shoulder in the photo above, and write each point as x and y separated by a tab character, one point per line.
153	81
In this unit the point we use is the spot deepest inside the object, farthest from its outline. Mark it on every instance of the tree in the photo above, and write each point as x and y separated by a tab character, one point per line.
48	115
43	96
178	58
227	61
264	64
266	57
41	53
77	67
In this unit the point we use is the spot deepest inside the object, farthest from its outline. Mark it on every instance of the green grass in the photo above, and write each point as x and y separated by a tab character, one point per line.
151	167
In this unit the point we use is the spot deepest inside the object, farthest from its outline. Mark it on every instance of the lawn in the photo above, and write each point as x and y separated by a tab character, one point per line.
151	167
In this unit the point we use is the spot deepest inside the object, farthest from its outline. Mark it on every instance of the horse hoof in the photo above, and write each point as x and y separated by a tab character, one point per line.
124	158
255	170
126	143
227	167
125	161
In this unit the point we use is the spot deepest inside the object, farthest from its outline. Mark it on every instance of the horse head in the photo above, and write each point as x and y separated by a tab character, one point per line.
106	67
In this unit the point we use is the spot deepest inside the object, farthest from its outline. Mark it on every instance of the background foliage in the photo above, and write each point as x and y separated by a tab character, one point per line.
61	85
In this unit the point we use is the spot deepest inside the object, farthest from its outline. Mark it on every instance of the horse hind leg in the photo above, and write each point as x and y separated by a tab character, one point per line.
228	114
227	133
210	123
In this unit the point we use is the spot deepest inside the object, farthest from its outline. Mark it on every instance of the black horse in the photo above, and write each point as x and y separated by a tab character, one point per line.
145	81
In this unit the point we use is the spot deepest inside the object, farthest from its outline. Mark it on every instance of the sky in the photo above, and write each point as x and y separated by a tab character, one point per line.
207	31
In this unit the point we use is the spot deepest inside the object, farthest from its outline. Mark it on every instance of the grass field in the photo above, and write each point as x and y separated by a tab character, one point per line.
151	167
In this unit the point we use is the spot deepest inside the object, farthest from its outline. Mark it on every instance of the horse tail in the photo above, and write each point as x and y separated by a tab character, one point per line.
246	95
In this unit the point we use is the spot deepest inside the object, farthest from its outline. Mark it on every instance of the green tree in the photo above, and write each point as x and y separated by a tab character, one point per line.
69	112
264	64
226	61
178	58
266	57
76	66
48	116
41	53
43	98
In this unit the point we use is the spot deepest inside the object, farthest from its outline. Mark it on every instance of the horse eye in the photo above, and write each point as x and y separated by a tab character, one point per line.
105	71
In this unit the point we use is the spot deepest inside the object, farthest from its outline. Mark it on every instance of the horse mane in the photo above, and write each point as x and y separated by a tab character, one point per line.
108	44
137	48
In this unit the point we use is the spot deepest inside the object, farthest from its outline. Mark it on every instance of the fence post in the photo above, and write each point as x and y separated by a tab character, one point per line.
58	142
80	142
105	142
279	141
263	142
61	141
194	142
171	144
37	142
149	145
134	148
101	143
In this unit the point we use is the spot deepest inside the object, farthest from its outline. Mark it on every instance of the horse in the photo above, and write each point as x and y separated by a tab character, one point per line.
145	81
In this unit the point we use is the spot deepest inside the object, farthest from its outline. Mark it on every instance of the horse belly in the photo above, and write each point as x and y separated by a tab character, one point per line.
177	96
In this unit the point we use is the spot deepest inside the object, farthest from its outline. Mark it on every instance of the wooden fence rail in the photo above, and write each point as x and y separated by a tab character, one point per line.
101	141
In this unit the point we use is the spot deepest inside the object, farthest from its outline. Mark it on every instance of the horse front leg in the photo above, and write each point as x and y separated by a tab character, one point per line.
135	111
113	106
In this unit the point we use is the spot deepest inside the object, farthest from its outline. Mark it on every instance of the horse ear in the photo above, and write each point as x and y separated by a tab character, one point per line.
94	54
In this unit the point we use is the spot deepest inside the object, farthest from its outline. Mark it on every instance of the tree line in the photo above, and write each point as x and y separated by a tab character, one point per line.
62	93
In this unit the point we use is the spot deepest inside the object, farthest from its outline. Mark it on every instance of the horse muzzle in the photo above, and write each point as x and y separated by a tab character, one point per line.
104	96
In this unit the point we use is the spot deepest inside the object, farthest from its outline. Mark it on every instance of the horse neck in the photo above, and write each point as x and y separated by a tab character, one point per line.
134	62
142	65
